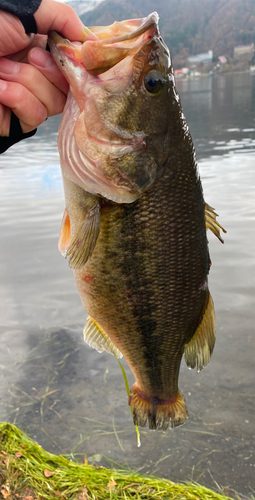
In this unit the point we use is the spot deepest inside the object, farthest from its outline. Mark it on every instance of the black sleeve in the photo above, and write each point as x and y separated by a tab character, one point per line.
24	10
15	135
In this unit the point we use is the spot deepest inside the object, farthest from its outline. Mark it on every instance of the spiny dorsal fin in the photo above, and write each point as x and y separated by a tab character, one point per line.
65	233
199	349
95	336
211	222
84	241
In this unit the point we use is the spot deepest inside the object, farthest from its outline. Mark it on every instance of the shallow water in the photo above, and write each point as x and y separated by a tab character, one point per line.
71	399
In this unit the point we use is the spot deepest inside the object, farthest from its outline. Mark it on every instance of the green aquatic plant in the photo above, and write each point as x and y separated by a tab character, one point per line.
26	467
131	407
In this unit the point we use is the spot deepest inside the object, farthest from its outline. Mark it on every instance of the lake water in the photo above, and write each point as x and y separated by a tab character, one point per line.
73	400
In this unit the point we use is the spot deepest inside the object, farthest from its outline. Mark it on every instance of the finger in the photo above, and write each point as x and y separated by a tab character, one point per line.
59	17
36	41
43	61
35	82
12	34
5	120
30	111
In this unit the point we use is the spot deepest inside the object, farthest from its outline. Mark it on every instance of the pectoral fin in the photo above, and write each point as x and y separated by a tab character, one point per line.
95	336
199	349
211	223
65	233
84	241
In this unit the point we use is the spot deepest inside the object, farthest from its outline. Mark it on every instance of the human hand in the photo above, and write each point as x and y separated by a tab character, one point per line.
30	83
32	91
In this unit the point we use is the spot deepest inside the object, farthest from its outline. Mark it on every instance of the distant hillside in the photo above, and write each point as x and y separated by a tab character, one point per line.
82	6
187	26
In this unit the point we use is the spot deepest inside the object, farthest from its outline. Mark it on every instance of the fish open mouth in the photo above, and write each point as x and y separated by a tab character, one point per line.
112	44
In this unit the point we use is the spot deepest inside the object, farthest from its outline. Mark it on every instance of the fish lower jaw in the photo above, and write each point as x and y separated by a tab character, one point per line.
160	413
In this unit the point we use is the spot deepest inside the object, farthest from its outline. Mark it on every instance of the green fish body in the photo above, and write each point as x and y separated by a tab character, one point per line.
134	227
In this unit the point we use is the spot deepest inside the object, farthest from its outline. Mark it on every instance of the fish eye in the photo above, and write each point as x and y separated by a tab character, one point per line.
153	82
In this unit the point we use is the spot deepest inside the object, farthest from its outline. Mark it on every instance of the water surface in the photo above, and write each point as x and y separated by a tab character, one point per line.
71	399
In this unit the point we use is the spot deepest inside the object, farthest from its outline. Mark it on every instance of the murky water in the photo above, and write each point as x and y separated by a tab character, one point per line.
70	398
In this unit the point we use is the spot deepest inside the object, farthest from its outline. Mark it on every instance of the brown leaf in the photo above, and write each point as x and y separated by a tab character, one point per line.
5	493
29	497
18	454
137	485
112	483
48	473
83	495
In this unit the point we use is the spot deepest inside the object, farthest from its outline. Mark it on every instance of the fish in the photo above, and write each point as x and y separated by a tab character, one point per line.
135	222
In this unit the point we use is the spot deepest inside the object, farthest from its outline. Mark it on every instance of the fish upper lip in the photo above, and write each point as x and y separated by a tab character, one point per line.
151	20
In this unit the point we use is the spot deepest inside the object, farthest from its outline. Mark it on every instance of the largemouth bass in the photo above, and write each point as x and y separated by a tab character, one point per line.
134	227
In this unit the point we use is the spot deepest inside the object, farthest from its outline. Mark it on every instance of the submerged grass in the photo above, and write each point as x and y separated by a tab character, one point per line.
28	472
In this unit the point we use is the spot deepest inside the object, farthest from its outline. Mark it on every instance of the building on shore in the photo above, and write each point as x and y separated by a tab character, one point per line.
181	73
222	59
244	52
205	57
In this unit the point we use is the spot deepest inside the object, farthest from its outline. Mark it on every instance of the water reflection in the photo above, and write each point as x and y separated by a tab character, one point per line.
72	399
231	109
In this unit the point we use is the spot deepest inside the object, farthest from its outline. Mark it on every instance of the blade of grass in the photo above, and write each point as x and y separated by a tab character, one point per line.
131	407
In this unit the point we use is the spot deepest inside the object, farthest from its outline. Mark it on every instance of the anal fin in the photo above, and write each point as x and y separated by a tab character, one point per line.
199	349
211	222
95	336
84	241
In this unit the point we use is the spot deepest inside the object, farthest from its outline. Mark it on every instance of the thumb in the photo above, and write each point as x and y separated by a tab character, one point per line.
60	17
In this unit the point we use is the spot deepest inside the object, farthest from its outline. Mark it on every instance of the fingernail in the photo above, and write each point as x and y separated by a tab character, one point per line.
8	67
3	85
40	57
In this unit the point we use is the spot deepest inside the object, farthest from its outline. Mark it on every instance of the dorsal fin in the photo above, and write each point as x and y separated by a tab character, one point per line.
211	222
95	336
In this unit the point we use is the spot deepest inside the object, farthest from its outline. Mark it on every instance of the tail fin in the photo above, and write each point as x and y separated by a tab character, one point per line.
159	413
